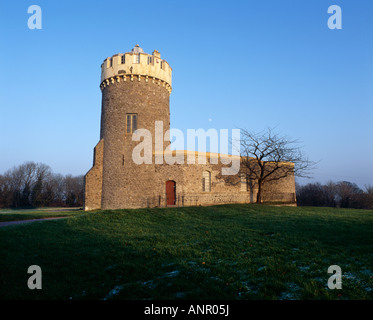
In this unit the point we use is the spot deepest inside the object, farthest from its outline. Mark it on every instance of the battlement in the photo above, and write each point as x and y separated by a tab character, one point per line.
136	65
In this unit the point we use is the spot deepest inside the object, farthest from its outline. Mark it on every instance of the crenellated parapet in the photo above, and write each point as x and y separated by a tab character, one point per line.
136	66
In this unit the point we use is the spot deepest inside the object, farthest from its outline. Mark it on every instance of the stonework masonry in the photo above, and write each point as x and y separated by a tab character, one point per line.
139	84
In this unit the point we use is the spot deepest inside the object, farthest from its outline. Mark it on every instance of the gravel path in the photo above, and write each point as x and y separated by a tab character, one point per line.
8	223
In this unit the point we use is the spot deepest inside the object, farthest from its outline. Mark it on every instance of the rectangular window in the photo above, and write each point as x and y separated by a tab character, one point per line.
206	181
131	122
134	122
149	60
243	183
123	59
128	123
136	58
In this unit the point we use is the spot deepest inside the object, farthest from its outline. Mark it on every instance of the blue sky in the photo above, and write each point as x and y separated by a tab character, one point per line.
236	64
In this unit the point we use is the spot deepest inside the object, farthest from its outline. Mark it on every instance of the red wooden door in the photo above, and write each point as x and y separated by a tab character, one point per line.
171	192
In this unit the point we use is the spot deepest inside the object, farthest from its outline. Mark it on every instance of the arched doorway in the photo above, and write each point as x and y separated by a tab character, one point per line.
171	192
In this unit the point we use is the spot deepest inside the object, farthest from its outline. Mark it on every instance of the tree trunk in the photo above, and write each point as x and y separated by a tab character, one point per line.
259	194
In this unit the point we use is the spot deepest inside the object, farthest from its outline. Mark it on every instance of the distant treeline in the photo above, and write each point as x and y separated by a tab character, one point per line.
342	194
35	185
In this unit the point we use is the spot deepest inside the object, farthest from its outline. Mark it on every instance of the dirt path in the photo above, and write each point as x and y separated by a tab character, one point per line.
8	223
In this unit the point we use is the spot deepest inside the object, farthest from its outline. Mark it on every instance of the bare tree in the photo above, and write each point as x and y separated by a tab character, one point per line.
74	187
368	202
21	180
34	184
350	195
54	190
6	192
343	194
43	173
267	156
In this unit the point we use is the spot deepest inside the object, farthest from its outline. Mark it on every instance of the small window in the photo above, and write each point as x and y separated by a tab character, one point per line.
149	60
243	183
131	122
206	181
136	58
134	122
123	59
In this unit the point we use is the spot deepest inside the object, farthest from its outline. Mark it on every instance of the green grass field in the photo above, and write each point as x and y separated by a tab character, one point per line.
219	252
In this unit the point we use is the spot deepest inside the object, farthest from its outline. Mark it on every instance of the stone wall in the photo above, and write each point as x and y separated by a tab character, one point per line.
93	180
145	186
190	190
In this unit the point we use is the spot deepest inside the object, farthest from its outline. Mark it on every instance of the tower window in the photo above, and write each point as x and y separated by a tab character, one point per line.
206	181
149	60
243	183
123	59
136	58
131	122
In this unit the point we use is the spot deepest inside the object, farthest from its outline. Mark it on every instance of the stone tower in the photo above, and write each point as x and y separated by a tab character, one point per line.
135	87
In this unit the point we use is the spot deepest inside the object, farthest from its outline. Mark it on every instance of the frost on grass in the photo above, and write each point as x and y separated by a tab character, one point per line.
291	293
249	288
180	295
348	279
172	273
367	272
151	284
350	276
304	268
357	280
114	292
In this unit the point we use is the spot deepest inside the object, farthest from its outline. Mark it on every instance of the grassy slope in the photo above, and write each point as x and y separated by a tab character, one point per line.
221	252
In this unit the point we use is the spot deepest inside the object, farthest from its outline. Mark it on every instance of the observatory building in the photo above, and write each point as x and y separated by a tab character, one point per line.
136	89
